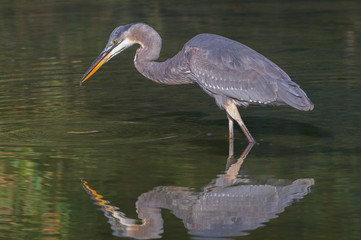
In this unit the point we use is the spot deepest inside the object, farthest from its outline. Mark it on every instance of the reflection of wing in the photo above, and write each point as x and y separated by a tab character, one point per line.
232	210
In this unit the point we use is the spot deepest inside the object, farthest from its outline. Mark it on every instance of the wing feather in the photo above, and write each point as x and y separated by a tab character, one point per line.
225	67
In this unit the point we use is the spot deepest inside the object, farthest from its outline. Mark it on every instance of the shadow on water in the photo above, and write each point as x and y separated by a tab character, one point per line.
229	206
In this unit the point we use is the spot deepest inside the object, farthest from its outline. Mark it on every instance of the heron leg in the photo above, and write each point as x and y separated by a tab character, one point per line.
230	125
232	112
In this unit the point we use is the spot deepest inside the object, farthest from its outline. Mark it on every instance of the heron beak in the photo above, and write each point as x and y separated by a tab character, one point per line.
98	62
105	56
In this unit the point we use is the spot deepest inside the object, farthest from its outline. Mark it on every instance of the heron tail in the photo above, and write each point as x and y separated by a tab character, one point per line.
291	94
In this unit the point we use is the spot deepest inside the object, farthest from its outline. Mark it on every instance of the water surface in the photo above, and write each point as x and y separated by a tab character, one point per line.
128	137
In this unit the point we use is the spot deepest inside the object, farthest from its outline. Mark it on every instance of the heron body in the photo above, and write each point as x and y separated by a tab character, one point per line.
227	70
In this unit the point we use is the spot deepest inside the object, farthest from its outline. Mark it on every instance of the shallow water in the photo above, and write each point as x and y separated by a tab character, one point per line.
128	138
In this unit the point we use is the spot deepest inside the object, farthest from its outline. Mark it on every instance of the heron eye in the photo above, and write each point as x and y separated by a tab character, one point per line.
115	41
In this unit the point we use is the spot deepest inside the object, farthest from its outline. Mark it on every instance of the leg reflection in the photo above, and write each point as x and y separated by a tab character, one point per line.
233	168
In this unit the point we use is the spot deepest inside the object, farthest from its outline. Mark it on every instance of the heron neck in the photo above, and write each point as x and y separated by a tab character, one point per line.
148	52
155	71
168	72
173	71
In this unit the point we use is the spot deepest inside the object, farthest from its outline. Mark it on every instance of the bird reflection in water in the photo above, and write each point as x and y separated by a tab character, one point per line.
230	205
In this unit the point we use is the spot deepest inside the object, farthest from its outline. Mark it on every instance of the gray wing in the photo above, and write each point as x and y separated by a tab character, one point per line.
223	67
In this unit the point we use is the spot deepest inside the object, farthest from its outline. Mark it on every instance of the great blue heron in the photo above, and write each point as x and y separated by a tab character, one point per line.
227	70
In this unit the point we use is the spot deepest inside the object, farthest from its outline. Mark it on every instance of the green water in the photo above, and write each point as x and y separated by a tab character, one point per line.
131	139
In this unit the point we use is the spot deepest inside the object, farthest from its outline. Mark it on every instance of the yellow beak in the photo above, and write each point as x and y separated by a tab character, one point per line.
98	62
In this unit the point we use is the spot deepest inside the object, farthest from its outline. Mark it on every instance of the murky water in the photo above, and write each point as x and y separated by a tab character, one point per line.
122	156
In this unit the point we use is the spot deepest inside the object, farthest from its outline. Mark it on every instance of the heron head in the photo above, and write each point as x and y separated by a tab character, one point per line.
119	40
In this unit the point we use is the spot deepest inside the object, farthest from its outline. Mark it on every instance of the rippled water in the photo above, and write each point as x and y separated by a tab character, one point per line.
100	160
